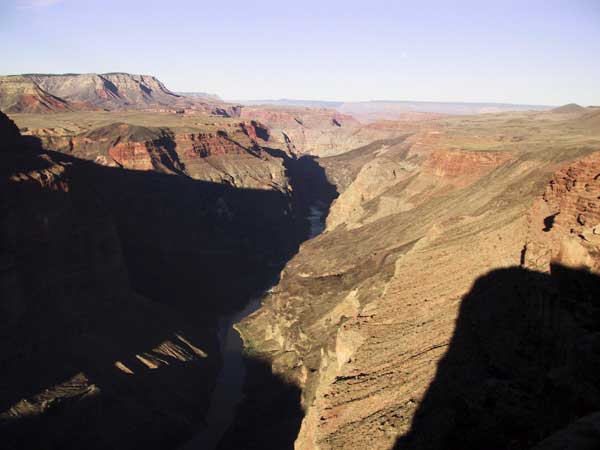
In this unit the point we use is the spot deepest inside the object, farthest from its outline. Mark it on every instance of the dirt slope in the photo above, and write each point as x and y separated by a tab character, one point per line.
418	319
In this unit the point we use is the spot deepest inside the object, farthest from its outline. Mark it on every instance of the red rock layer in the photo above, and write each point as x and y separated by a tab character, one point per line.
462	167
565	222
133	155
37	103
255	130
207	144
313	130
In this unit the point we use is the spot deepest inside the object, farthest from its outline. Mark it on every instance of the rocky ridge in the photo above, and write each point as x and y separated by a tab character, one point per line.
36	93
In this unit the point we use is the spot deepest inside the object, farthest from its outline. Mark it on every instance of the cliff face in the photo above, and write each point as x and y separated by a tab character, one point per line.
112	284
19	94
415	320
79	344
107	89
396	175
321	132
570	212
35	93
240	154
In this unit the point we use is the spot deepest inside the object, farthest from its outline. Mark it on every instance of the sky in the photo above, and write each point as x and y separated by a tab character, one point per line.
531	52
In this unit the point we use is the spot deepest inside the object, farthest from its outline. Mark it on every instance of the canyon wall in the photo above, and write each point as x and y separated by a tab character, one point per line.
442	307
240	154
321	132
113	280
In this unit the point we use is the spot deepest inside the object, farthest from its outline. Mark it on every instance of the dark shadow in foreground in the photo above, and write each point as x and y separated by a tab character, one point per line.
523	363
106	265
270	416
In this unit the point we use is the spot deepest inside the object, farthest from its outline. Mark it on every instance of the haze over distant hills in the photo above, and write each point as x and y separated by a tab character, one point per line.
35	93
202	95
392	109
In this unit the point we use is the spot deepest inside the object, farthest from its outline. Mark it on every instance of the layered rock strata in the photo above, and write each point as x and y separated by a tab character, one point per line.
321	132
45	93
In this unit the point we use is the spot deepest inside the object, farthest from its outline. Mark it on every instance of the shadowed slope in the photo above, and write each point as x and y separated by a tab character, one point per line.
113	282
521	364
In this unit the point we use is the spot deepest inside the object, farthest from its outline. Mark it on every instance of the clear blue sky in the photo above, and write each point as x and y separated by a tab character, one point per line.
538	51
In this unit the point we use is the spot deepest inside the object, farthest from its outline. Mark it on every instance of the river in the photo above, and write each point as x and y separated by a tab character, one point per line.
228	392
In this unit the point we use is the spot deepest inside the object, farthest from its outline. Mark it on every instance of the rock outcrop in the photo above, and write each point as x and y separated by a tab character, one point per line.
570	213
79	344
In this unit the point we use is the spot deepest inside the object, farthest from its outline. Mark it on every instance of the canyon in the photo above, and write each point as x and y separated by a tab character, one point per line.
426	281
443	306
113	279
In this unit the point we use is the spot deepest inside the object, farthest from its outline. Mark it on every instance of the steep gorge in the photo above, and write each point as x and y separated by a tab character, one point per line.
453	289
114	279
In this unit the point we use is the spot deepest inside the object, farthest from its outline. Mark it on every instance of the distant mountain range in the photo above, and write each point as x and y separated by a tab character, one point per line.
41	93
390	110
202	95
292	102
